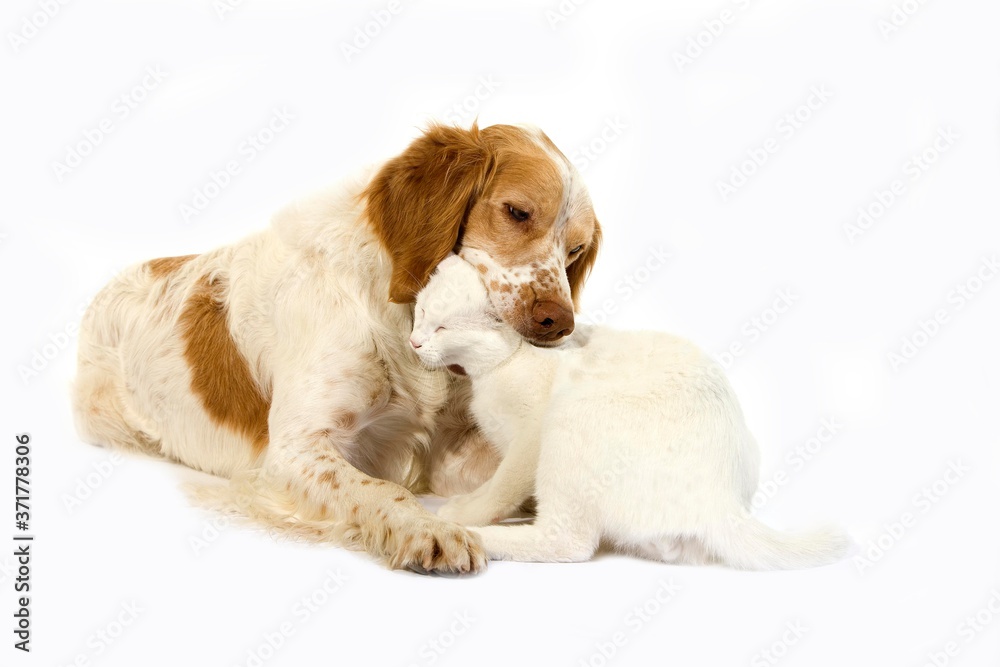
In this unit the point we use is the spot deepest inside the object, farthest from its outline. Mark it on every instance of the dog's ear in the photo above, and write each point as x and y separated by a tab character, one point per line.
578	271
418	202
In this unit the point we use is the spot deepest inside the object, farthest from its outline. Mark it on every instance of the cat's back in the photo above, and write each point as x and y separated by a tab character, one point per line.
610	361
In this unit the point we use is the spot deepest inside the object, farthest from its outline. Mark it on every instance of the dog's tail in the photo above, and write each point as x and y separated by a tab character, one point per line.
748	544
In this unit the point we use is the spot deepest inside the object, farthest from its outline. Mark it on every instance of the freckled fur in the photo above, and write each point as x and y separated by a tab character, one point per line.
163	267
281	361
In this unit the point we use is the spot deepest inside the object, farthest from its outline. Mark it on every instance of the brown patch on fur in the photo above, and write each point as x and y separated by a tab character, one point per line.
162	267
347	421
365	482
380	393
220	375
418	202
547	278
482	268
329	478
399	499
578	271
436	550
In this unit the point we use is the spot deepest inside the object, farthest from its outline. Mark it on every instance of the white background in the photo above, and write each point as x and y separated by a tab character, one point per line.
672	132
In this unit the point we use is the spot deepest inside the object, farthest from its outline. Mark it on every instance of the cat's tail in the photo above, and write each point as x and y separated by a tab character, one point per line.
748	544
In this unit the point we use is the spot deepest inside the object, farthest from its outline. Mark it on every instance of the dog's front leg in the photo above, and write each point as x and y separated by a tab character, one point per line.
305	461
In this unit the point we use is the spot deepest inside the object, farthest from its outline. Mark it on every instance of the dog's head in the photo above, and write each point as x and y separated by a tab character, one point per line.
509	202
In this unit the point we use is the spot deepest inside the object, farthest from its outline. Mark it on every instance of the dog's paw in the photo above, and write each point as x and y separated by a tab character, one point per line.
440	547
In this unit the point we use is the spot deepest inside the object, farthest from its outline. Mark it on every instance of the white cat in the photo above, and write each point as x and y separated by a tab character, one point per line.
631	437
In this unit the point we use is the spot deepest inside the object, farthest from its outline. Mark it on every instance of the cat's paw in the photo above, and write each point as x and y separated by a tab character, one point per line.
471	509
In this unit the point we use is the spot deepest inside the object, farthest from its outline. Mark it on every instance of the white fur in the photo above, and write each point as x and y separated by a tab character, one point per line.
307	307
632	437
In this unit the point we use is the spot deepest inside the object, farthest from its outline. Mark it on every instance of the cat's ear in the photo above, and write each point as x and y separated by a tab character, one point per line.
578	271
418	202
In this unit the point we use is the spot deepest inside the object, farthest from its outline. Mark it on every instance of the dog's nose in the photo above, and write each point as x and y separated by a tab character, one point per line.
551	320
414	343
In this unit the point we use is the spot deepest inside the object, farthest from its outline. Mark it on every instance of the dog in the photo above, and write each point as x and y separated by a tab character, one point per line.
282	362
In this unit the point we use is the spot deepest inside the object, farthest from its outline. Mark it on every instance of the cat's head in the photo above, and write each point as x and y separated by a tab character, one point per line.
455	325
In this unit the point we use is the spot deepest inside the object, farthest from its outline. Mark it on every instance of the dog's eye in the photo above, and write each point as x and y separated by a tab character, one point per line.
575	250
516	213
439	329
